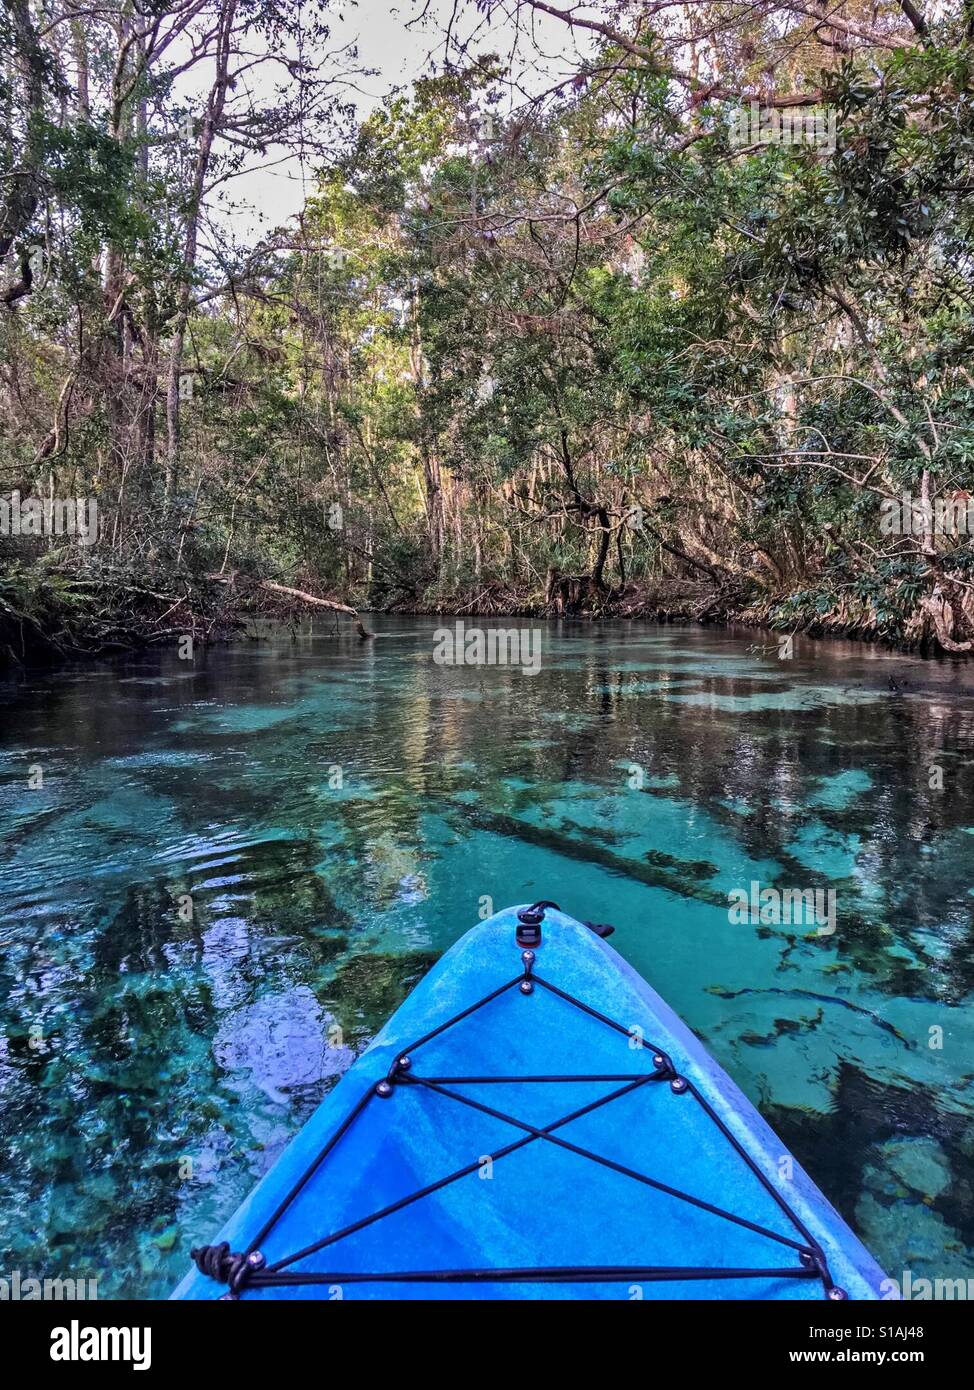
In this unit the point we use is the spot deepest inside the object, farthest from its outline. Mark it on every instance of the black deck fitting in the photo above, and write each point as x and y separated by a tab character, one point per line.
529	923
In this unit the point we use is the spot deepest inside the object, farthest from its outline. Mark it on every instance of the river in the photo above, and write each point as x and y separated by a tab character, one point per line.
221	875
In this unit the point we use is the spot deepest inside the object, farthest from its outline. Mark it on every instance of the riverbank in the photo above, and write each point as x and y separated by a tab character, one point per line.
811	613
69	608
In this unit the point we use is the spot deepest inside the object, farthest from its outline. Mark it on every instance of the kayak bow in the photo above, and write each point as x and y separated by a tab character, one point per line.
535	1122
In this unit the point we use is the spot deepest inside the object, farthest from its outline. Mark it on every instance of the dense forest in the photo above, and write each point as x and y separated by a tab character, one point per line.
685	332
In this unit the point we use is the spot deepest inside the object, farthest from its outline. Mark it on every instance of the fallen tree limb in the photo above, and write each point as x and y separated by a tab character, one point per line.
271	587
274	588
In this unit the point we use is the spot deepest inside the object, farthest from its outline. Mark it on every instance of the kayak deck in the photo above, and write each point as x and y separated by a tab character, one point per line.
555	1131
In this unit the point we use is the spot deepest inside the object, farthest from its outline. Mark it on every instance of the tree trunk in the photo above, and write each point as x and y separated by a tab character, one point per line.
208	128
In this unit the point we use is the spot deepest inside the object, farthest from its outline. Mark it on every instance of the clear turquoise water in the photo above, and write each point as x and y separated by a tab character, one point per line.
152	1068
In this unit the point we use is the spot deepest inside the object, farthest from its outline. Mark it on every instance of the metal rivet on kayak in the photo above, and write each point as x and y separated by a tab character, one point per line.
403	1063
256	1260
678	1084
659	1061
229	1298
836	1294
527	957
527	987
384	1090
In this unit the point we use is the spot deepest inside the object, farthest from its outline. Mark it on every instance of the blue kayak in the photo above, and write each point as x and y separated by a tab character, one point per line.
535	1122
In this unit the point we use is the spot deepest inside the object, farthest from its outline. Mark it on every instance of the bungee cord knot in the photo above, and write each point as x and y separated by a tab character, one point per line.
227	1267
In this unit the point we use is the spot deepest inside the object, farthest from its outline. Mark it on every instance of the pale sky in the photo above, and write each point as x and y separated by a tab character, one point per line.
274	191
